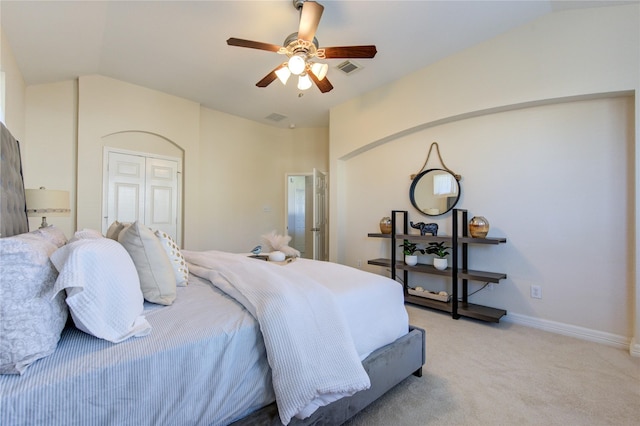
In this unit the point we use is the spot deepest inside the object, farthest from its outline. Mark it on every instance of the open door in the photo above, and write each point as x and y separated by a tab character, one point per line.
320	230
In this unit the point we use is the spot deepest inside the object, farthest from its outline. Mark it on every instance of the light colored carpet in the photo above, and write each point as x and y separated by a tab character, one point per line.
506	374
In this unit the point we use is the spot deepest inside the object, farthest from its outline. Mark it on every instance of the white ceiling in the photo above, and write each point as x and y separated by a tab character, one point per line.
179	47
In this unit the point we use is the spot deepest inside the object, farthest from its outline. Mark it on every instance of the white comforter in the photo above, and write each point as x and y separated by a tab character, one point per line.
309	345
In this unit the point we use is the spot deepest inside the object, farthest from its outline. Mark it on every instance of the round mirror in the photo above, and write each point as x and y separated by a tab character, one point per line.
434	192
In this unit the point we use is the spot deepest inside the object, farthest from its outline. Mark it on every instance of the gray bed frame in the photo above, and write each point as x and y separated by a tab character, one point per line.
386	366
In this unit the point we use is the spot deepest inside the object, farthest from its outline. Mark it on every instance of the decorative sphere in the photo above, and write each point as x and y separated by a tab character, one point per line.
478	227
385	225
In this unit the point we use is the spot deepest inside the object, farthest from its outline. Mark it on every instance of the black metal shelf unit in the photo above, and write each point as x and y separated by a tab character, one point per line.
458	271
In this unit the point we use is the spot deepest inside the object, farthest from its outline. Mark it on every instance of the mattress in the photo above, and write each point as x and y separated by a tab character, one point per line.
203	363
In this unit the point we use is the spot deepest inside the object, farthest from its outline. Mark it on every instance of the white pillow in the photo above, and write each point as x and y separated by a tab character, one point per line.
157	280
180	268
86	233
32	315
102	287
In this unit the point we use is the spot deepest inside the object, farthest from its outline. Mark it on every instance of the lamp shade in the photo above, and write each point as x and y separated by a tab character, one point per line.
283	74
47	202
320	70
304	82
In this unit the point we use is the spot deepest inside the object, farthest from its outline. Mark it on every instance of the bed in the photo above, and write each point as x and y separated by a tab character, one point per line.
230	347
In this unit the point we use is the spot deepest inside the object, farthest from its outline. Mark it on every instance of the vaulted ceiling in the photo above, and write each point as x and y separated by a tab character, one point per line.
179	47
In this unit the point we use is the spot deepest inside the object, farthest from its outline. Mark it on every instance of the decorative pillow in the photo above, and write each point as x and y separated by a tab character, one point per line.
180	268
114	229
85	234
102	288
32	315
157	280
52	234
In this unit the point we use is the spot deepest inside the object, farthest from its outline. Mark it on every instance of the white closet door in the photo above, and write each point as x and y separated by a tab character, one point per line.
161	201
126	188
145	189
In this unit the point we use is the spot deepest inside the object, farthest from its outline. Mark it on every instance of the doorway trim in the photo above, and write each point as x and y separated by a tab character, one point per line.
287	178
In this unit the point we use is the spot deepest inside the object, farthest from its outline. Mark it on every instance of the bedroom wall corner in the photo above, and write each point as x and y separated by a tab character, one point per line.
243	166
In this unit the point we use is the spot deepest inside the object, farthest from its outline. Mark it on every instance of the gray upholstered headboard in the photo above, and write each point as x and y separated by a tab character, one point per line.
13	206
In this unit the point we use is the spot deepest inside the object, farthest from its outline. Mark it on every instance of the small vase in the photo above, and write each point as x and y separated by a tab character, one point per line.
478	227
440	263
385	225
411	260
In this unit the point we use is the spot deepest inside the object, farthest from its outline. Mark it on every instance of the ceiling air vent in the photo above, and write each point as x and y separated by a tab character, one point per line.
274	116
349	67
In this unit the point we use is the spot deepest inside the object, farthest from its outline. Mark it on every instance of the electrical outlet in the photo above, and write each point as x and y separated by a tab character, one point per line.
359	263
536	292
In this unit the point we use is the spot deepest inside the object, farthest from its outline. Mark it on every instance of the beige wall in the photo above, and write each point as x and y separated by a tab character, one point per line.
15	91
243	166
51	152
233	169
544	156
107	106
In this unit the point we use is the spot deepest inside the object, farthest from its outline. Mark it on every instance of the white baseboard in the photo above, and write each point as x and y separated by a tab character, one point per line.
634	348
575	331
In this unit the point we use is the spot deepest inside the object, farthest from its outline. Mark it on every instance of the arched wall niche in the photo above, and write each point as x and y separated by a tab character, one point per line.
149	144
143	141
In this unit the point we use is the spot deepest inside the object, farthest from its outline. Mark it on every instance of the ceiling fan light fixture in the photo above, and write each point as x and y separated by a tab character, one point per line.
319	70
304	82
283	74
297	64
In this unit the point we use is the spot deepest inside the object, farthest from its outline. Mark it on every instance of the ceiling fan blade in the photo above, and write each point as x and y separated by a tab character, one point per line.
252	44
368	51
269	78
324	85
309	20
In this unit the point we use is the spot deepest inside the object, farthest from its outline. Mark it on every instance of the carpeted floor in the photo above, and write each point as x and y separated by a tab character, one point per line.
506	374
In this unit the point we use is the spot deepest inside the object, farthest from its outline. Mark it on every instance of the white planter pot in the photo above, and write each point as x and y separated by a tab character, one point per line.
411	260
440	264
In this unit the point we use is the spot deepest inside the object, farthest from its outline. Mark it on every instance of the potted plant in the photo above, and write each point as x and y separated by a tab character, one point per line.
410	249
439	250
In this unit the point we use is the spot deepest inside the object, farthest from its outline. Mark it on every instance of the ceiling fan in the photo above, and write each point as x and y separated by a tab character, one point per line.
302	49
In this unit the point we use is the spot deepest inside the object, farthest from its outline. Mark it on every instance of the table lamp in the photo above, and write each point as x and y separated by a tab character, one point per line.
46	203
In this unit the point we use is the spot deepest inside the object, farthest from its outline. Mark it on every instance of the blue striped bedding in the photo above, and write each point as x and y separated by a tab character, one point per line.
203	363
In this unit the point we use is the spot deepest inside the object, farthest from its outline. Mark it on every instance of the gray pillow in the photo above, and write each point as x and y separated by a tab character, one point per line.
157	280
31	317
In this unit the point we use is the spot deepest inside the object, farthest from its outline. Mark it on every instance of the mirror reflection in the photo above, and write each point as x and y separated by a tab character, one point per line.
434	192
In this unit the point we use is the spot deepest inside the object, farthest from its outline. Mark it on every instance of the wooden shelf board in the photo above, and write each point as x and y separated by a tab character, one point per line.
491	277
428	303
421	267
489	240
484	313
380	262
